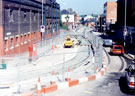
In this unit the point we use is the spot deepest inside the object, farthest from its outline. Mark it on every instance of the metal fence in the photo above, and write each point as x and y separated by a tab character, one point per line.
84	59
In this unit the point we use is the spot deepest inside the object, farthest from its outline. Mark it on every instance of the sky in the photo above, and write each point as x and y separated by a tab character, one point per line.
84	6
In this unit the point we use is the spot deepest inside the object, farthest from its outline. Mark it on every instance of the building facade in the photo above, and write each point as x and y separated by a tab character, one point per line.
20	22
68	19
110	12
77	22
130	21
130	15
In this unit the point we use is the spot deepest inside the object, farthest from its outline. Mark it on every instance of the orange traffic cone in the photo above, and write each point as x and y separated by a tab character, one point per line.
68	75
39	91
97	69
53	81
55	46
52	47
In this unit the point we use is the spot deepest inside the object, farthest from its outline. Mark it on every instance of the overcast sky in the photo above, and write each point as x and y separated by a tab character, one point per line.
83	6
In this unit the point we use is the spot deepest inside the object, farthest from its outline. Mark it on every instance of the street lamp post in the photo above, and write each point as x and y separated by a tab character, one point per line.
42	12
52	2
42	18
52	18
67	19
125	26
56	12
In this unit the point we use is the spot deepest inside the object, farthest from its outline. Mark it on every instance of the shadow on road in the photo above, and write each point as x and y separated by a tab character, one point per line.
124	88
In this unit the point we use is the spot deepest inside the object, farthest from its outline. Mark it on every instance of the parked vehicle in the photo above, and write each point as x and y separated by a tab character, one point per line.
107	43
117	50
130	77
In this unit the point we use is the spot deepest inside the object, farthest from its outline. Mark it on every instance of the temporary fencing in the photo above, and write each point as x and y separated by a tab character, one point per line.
83	60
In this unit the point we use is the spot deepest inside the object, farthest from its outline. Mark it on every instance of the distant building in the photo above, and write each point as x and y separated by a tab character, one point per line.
87	17
68	19
64	11
20	22
77	20
110	12
70	10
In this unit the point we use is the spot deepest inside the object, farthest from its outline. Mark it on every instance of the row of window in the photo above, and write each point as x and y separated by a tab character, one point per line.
24	15
14	42
54	23
55	12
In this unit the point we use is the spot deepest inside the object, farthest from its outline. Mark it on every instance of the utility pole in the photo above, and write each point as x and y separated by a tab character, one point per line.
42	18
42	12
52	18
125	23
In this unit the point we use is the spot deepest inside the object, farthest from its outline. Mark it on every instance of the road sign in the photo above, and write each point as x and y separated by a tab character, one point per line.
42	28
3	66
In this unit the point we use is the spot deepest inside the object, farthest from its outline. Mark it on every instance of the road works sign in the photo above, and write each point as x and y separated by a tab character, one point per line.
42	28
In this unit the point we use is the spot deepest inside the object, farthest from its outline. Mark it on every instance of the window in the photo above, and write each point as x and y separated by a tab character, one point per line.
34	35
11	43
28	37
10	14
6	45
25	16
34	17
25	39
16	41
21	39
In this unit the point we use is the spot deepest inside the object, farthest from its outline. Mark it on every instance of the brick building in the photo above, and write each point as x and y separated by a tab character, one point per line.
110	12
76	20
20	22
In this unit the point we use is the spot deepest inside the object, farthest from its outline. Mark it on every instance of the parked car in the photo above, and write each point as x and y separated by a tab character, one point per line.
107	43
117	50
130	77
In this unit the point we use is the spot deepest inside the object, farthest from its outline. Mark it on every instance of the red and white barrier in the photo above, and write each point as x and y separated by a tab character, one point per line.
67	84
